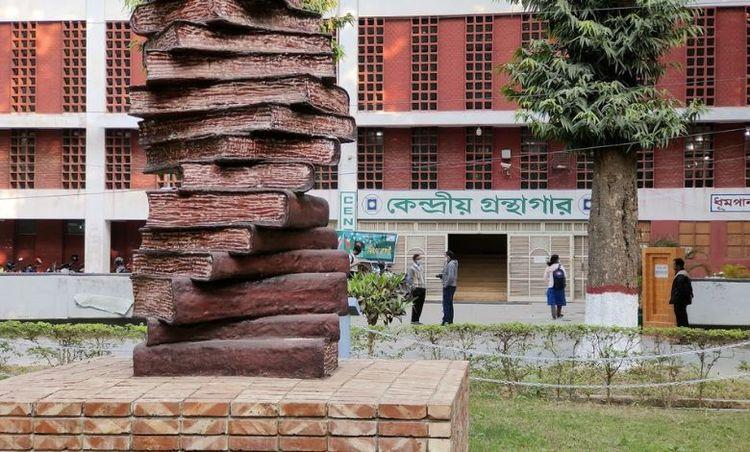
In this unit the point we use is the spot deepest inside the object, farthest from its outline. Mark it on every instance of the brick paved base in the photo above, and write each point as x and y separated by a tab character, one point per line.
363	406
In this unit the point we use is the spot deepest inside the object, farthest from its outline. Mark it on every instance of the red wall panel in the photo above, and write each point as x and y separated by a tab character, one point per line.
507	39
452	158
6	54
507	138
49	74
7	227
559	178
665	230
125	238
397	65
669	169
451	64
729	156
137	69
673	79
48	162
138	180
397	159
49	242
731	54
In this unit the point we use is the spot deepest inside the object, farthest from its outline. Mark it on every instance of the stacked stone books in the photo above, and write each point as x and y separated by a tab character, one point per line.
237	272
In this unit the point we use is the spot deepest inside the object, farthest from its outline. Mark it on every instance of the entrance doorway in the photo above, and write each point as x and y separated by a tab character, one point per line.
483	267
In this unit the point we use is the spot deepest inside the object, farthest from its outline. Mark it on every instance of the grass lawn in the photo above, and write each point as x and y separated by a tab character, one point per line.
499	424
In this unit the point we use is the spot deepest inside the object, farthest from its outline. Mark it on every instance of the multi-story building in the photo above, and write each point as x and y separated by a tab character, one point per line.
440	159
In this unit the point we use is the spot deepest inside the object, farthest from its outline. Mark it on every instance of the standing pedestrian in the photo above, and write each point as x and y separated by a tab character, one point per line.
450	281
555	276
354	259
682	293
415	281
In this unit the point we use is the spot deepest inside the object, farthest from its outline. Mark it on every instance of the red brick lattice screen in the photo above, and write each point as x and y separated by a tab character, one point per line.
532	29
370	153
118	66
479	70
118	159
747	57
74	159
479	155
584	171
424	63
700	83
74	66
23	67
699	158
237	272
22	158
534	161
646	168
327	177
371	32
424	159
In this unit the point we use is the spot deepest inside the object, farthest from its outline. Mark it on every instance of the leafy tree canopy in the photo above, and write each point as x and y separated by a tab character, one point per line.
591	82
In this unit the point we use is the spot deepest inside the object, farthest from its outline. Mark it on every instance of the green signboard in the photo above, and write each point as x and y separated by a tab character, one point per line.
376	246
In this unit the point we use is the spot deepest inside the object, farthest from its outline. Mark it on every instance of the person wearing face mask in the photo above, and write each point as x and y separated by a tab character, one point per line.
415	281
450	281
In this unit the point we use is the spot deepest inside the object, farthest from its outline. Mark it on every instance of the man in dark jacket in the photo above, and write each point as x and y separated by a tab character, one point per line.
682	293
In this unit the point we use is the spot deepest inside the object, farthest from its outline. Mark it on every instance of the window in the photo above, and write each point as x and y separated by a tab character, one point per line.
644	233
23	67
118	66
371	63
585	171
479	159
370	152
327	177
646	168
424	158
22	158
118	147
74	66
75	227
169	180
701	63
699	158
479	62
424	61
696	235
534	154
738	239
532	29
74	159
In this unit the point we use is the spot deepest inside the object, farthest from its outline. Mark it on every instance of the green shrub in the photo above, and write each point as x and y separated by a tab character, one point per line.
381	297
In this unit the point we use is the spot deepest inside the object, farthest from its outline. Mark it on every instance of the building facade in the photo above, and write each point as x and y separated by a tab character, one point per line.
440	159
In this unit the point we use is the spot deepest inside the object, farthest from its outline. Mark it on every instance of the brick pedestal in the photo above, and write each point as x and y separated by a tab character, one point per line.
363	406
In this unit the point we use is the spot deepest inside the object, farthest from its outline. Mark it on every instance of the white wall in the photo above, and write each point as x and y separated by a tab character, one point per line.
720	303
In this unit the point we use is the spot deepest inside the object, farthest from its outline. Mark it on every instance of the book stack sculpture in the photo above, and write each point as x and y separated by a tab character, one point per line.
237	272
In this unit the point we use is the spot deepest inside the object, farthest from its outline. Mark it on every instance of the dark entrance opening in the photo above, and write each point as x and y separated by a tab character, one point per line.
483	267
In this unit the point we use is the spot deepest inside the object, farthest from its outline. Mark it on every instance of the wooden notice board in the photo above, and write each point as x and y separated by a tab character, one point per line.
658	273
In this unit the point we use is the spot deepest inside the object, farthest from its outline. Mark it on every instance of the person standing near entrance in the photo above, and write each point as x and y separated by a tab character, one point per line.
415	281
682	293
555	276
450	281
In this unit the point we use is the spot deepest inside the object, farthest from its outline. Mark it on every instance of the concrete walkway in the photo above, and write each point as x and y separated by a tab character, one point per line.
535	313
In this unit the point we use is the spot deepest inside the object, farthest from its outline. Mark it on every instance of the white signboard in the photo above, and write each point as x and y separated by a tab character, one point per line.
475	205
730	202
348	214
661	271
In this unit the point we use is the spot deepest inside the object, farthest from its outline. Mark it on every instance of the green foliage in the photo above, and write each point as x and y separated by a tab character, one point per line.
58	344
381	297
731	271
494	350
592	82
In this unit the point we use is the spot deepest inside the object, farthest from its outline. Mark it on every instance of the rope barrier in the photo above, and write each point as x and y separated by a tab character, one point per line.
564	359
605	386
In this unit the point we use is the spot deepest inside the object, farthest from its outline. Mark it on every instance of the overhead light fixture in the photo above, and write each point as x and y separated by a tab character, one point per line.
699	138
707	157
379	133
690	147
747	132
479	131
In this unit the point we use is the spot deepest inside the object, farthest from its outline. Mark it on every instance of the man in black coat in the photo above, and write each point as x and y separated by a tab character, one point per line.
682	293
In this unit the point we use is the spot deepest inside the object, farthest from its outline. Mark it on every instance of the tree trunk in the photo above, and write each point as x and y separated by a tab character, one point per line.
614	250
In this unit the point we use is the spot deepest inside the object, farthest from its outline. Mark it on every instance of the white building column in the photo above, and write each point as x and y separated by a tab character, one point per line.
348	79
97	238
